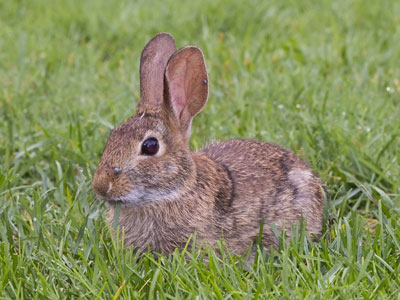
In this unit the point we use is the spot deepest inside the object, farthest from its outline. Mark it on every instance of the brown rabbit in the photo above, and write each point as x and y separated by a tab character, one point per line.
225	190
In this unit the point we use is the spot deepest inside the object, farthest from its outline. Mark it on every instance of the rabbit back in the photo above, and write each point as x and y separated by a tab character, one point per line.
269	184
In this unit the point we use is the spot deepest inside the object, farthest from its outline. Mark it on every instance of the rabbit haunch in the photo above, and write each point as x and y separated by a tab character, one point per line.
222	191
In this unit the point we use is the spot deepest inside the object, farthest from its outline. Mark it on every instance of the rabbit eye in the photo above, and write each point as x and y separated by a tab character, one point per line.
150	146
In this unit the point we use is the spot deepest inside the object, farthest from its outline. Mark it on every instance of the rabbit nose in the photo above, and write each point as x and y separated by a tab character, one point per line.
102	180
101	183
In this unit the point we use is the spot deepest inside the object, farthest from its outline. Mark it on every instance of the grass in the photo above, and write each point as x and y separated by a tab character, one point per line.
321	78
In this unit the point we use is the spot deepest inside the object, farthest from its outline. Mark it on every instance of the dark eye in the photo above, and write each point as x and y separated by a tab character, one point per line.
150	146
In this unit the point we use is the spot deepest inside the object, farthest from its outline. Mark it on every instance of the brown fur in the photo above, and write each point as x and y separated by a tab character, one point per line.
224	190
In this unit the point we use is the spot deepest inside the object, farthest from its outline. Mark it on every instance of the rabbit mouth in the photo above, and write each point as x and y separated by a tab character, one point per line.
113	202
110	201
141	197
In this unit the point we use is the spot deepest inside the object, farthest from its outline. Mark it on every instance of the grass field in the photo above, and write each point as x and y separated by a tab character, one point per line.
321	78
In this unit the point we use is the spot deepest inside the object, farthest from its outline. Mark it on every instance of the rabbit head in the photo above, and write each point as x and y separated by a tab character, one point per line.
147	158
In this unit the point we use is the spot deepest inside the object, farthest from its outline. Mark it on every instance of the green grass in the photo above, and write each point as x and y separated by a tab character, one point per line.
321	78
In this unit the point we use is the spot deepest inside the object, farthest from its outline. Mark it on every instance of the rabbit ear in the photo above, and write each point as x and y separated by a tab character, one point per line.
187	82
153	61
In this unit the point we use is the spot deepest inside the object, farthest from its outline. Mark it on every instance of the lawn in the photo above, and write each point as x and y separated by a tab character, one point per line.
321	78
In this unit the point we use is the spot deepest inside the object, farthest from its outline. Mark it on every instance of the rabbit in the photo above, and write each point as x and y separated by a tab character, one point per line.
225	191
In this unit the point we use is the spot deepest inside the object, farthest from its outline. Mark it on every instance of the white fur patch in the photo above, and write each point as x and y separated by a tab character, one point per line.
301	180
299	177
